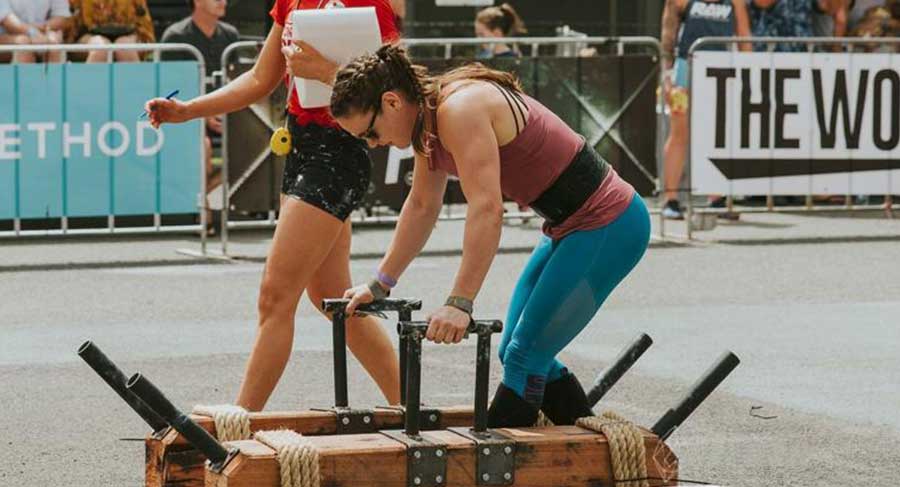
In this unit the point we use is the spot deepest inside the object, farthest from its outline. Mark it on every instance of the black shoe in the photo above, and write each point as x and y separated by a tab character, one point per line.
672	210
565	401
510	410
721	203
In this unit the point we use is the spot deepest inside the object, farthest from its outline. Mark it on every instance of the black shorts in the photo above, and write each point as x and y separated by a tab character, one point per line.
327	168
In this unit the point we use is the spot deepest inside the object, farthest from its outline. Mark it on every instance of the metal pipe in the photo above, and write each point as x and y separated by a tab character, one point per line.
673	418
112	375
405	315
192	432
482	376
339	334
627	357
412	419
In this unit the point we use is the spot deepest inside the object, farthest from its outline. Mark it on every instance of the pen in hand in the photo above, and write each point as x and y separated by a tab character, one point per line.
168	97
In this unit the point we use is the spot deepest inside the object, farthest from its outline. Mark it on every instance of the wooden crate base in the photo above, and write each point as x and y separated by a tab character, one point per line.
558	456
171	461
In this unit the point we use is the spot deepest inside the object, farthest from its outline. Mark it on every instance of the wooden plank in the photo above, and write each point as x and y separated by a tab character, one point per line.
556	456
170	460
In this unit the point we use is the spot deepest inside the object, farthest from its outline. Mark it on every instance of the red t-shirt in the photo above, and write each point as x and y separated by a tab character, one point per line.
280	11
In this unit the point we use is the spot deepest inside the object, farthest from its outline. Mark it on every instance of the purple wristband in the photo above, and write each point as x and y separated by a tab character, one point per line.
385	279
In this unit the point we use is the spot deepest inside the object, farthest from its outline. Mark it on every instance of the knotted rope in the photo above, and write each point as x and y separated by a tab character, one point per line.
297	457
626	447
232	422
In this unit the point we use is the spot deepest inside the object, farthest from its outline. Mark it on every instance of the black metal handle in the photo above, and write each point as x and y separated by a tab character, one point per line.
414	332
410	328
112	375
617	369
673	418
192	432
387	304
337	308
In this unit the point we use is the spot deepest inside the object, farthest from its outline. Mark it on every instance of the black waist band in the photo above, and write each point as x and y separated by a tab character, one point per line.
573	187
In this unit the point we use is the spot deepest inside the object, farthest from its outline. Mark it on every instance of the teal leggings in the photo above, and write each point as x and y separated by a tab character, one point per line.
561	288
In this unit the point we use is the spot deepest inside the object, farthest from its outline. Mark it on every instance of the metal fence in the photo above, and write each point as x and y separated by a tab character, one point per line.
740	180
73	193
462	50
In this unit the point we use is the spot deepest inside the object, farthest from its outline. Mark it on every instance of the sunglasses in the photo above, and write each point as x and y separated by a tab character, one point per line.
371	133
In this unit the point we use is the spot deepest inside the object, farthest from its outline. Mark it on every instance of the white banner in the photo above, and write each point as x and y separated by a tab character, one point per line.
795	123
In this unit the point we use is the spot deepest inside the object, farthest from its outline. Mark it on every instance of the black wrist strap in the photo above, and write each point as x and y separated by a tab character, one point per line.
460	303
378	291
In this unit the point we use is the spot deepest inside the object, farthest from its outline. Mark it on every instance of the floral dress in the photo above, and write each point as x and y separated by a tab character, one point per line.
110	18
787	18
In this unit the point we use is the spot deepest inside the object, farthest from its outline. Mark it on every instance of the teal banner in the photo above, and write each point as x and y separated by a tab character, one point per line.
73	142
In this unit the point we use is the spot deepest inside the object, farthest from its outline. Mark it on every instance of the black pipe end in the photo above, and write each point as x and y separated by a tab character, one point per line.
85	347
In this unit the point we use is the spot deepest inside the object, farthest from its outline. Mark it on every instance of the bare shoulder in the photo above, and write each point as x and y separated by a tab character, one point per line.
464	102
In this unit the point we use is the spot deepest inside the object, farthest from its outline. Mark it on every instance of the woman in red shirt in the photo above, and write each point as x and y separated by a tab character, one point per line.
326	176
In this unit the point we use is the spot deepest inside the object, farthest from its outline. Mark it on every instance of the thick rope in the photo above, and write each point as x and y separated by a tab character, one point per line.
626	447
232	422
297	457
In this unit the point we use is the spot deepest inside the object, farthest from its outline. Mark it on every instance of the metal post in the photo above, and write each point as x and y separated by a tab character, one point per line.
689	162
413	383
482	376
340	358
404	315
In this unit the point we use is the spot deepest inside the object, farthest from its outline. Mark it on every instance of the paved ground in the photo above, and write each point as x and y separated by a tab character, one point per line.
810	304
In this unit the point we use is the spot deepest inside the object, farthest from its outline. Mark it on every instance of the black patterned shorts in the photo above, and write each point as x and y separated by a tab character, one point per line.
327	168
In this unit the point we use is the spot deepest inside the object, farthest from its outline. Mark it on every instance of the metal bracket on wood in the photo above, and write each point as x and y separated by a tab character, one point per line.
495	456
429	418
353	421
426	462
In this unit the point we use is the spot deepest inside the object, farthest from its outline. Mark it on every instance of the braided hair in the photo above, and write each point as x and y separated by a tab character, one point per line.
359	85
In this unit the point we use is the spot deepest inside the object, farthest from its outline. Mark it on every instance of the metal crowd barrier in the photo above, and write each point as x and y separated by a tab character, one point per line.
157	226
849	45
538	46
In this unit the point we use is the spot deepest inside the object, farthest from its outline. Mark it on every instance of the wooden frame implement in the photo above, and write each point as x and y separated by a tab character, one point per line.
356	452
171	460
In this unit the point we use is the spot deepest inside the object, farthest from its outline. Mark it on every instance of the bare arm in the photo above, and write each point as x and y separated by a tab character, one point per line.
399	7
742	24
467	132
839	14
14	25
417	218
56	23
764	3
671	20
248	87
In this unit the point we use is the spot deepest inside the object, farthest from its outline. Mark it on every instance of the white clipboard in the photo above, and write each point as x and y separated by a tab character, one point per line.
340	34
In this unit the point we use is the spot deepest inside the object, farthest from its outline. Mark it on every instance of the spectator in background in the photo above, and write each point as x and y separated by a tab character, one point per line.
683	22
829	19
14	31
502	21
43	21
782	18
857	11
205	31
103	22
881	20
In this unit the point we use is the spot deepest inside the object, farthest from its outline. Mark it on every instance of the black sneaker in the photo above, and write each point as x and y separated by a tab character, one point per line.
721	204
672	210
